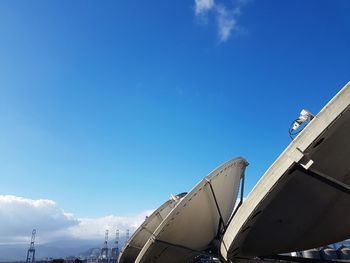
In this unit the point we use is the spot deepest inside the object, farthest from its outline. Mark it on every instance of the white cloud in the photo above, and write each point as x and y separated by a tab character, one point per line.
202	6
226	15
226	22
18	216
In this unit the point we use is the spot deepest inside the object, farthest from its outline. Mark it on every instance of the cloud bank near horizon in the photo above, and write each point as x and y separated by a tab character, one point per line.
18	216
225	15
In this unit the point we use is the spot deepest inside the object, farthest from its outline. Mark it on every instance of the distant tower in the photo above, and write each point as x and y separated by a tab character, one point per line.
115	248
127	236
31	250
104	249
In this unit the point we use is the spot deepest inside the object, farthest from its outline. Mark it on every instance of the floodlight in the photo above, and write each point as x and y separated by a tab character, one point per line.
305	115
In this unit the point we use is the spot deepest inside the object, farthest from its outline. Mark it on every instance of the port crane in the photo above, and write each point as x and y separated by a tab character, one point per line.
127	236
115	248
31	250
104	249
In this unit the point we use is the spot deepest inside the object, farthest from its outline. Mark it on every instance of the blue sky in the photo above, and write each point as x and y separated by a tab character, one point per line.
108	107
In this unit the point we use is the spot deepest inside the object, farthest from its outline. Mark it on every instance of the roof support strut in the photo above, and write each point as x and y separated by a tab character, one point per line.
182	247
218	209
330	181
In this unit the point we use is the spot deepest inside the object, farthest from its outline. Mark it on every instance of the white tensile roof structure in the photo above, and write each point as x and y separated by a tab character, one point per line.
136	242
197	219
303	199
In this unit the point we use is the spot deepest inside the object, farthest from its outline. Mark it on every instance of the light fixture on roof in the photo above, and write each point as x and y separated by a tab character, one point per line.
305	115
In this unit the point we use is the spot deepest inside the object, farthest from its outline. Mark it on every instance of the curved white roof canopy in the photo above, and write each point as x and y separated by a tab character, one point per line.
136	242
303	200
192	226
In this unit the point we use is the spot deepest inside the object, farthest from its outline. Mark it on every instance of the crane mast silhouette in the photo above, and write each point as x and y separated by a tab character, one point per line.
115	248
31	250
104	249
127	236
